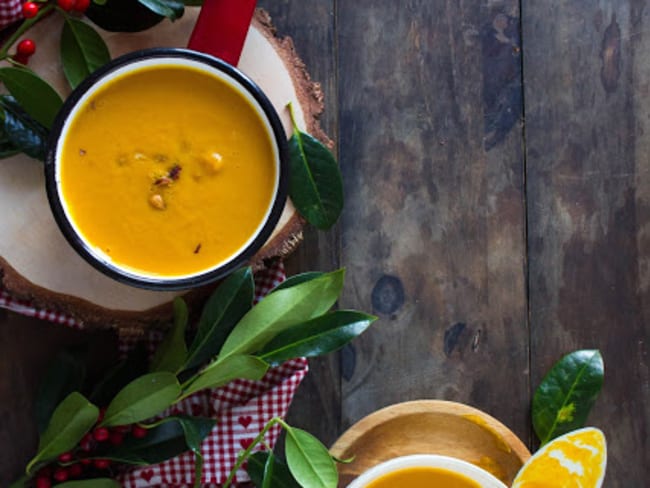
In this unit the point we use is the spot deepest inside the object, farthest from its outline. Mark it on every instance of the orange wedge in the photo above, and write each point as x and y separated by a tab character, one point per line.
574	460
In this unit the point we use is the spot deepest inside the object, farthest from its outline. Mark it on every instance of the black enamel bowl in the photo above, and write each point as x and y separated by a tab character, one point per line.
123	65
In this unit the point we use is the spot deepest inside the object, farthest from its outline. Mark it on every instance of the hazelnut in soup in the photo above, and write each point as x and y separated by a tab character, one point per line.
423	477
168	170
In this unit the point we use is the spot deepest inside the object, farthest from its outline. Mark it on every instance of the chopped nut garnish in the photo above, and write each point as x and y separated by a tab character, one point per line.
157	202
163	181
82	152
175	172
139	156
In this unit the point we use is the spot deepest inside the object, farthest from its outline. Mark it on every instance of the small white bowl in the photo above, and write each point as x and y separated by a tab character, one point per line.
474	473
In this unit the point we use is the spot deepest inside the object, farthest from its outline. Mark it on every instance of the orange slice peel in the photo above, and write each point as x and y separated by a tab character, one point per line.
575	460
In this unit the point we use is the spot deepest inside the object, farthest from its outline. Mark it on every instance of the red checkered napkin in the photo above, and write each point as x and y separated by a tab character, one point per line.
10	12
241	407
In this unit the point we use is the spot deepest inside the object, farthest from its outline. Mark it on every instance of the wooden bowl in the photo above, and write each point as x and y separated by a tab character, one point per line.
430	427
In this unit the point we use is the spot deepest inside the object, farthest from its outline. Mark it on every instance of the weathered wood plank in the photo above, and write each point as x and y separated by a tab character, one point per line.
433	231
586	78
310	23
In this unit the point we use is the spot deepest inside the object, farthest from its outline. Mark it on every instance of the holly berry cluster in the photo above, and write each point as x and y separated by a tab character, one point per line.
27	47
73	464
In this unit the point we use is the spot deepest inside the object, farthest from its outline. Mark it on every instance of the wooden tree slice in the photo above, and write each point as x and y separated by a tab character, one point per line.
36	261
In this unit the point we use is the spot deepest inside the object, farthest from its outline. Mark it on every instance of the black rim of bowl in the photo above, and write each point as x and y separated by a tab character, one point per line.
166	283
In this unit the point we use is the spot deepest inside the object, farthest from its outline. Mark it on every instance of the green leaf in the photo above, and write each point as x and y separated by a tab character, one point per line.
69	423
33	94
280	477
315	183
122	15
82	50
268	471
125	371
227	305
172	351
564	398
64	375
316	337
171	9
21	131
220	373
90	483
297	279
143	398
168	439
309	461
281	310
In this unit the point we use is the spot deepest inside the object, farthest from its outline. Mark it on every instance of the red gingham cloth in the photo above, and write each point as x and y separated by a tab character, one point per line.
241	407
10	12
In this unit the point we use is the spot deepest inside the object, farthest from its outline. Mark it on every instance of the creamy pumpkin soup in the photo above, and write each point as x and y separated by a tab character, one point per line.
423	477
167	170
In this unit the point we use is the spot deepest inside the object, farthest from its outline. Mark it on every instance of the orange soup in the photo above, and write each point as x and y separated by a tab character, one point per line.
167	170
423	477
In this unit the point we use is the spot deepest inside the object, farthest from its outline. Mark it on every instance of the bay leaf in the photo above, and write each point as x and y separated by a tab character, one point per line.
309	461
83	50
316	337
222	372
280	476
225	307
297	279
143	398
90	483
280	310
71	420
172	352
315	182
171	9
564	399
33	93
21	132
168	439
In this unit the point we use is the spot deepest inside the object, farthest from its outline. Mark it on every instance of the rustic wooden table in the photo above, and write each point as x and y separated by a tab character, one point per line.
496	168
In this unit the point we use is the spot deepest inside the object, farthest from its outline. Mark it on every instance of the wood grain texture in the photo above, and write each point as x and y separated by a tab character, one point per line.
586	78
433	230
311	24
431	427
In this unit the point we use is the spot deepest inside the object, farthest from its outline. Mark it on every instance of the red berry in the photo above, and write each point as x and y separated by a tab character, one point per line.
20	58
66	457
101	463
61	475
86	442
122	429
138	432
43	482
81	5
116	438
85	461
75	470
30	9
101	434
26	47
65	4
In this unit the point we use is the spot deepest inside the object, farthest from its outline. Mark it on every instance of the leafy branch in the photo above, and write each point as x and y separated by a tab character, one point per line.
234	340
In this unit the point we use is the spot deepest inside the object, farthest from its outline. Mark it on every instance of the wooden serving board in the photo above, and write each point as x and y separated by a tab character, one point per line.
36	262
430	427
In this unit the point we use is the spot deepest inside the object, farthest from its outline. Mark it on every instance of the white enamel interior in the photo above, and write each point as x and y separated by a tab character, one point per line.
126	70
485	479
